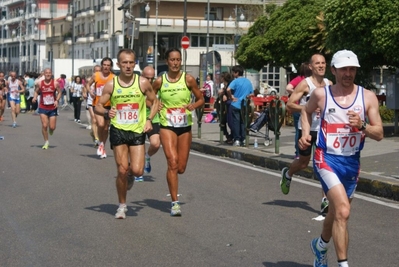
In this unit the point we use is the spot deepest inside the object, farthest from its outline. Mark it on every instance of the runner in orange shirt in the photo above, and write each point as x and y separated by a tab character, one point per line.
100	79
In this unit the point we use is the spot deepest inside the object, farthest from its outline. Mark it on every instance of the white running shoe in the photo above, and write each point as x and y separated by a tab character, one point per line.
121	213
175	209
100	149
103	155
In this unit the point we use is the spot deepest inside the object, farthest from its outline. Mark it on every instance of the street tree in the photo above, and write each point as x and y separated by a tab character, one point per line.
282	37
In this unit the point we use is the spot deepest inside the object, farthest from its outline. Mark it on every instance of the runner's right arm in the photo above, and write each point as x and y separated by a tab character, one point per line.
300	90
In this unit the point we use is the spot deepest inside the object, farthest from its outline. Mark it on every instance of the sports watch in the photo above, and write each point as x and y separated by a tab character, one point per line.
363	127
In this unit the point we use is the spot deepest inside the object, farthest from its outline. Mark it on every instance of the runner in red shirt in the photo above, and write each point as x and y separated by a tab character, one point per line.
50	94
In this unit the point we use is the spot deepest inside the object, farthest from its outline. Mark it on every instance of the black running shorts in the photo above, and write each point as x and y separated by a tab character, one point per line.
120	137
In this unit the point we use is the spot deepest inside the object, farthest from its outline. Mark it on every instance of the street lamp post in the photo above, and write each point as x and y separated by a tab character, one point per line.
3	20
156	39
70	18
147	9
21	12
242	17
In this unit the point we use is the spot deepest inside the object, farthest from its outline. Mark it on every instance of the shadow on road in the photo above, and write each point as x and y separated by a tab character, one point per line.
284	264
292	204
111	209
163	206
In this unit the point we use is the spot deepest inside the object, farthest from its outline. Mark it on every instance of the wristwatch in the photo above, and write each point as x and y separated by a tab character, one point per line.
363	127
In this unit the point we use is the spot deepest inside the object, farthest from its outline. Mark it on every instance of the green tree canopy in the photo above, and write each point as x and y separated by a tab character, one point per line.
368	28
282	37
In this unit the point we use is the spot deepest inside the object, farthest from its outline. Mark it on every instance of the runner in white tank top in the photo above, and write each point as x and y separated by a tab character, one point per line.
296	102
344	108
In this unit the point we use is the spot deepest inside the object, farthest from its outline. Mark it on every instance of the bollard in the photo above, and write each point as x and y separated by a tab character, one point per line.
247	115
199	112
277	117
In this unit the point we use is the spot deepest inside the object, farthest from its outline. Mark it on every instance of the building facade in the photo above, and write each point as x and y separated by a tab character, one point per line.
23	33
92	29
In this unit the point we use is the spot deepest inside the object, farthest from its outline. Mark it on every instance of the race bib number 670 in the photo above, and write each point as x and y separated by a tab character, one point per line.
342	141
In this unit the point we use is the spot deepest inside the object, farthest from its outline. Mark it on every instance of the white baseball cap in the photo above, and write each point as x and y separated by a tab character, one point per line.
344	58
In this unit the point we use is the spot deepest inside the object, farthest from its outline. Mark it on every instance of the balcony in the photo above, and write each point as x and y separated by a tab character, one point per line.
55	39
91	12
9	2
105	7
198	26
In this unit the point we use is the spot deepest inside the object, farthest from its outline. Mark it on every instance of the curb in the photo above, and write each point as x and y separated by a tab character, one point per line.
366	184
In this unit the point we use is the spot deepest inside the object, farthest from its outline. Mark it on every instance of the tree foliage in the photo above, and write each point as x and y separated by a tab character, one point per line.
293	32
369	28
282	37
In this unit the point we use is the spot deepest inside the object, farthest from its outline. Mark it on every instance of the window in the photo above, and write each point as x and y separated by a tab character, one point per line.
271	75
215	13
200	40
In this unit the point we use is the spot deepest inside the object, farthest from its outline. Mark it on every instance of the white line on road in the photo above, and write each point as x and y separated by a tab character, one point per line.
236	163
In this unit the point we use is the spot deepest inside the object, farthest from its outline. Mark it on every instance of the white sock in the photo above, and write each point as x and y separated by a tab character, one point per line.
122	205
287	176
321	244
147	156
343	264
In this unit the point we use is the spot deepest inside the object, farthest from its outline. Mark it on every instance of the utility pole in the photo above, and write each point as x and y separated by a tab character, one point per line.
185	33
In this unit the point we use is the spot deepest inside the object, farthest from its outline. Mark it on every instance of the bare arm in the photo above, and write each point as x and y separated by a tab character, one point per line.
199	98
374	130
86	88
59	92
151	97
301	90
37	87
21	85
105	97
315	102
289	88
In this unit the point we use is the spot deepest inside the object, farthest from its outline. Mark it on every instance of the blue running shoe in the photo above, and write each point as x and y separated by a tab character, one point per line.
320	259
139	179
147	166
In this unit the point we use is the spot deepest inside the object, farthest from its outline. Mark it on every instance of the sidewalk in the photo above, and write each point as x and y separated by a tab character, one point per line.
379	174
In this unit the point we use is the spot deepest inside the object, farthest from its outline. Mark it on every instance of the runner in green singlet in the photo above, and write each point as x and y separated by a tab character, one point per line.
174	89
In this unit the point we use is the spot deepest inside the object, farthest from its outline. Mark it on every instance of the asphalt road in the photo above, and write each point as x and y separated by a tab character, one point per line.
58	206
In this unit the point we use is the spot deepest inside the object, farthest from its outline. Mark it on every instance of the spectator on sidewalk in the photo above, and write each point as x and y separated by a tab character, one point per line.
223	99
239	90
76	90
207	88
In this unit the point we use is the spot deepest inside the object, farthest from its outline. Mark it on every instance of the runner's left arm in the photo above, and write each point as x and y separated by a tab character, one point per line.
374	130
22	88
151	97
59	92
199	97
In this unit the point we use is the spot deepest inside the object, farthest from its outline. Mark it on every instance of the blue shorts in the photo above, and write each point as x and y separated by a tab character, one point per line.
332	170
48	112
16	101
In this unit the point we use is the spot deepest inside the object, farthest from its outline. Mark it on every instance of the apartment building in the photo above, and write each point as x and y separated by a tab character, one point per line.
23	33
92	29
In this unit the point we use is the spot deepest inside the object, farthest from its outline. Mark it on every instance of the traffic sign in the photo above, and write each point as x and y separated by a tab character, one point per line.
185	42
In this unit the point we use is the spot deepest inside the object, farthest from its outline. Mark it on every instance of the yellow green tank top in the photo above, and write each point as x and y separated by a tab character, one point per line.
174	96
130	106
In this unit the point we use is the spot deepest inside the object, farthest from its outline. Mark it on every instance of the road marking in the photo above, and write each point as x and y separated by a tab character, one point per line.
299	180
